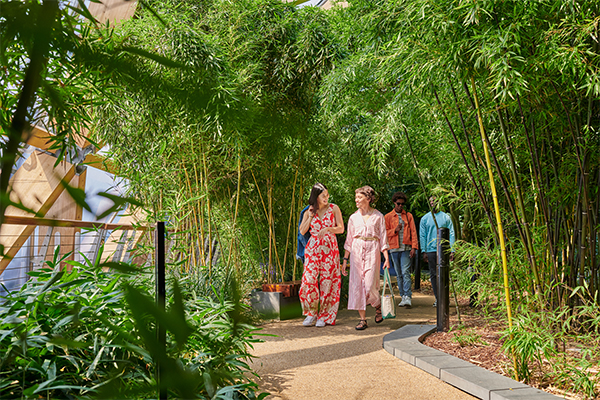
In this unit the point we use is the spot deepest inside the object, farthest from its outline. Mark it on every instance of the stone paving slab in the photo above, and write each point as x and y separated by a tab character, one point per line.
435	364
528	393
478	381
405	344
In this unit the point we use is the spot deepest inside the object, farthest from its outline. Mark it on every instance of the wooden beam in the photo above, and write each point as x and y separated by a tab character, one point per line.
42	139
111	243
113	11
69	223
39	138
100	162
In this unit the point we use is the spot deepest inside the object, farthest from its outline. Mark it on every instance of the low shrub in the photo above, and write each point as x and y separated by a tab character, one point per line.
93	334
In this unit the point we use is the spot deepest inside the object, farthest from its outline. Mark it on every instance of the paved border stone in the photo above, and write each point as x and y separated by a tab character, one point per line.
405	344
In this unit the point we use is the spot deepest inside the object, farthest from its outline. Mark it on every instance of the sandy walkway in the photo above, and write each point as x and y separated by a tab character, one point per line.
338	362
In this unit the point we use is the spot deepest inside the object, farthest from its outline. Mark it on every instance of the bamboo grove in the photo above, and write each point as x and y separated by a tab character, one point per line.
301	95
222	114
534	67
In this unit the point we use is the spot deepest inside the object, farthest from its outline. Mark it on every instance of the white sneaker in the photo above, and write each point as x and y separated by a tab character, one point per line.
320	323
407	301
309	321
403	302
435	303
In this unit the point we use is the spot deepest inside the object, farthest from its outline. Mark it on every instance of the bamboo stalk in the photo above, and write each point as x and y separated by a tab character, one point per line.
298	210
272	227
208	215
189	185
270	222
536	176
498	218
520	203
237	203
287	237
268	217
258	235
199	209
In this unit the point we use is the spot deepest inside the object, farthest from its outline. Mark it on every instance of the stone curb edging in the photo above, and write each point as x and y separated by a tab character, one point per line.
405	344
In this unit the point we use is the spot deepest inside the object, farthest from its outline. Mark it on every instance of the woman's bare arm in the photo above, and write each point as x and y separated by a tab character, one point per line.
305	225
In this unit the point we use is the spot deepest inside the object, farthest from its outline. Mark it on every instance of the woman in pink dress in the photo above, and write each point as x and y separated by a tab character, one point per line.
365	241
321	279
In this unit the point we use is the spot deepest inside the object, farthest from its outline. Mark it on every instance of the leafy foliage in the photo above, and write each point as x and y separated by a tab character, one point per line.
92	334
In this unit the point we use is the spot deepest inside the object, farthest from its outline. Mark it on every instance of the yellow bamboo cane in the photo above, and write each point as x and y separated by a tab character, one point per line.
235	215
498	219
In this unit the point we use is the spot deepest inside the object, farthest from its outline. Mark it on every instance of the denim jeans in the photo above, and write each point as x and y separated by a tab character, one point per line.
432	263
401	263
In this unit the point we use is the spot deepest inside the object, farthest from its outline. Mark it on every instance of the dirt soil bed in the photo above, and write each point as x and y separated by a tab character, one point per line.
480	343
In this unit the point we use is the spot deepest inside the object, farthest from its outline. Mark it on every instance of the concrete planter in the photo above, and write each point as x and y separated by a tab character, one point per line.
273	305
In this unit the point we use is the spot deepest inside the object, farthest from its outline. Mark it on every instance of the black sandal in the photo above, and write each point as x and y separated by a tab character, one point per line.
362	325
378	317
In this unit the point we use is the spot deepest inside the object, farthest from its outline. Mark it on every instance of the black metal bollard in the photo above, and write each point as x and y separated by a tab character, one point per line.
161	292
443	279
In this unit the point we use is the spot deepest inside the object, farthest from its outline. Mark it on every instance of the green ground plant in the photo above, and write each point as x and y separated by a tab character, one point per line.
558	348
467	337
92	334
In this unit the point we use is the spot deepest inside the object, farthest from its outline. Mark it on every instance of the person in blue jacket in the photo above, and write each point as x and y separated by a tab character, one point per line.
428	240
302	239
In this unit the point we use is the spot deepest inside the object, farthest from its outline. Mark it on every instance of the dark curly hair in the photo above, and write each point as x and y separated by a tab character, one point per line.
399	195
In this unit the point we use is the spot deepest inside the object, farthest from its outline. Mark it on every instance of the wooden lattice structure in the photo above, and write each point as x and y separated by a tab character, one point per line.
37	185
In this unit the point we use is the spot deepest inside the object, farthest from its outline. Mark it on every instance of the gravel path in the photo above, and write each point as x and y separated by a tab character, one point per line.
339	362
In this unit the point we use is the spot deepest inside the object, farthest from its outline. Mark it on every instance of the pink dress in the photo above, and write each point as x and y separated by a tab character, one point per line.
365	259
321	279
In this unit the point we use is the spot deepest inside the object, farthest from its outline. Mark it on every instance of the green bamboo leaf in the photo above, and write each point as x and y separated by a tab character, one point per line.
56	276
78	195
94	363
118	203
12	319
68	343
121	267
167	62
83	11
208	384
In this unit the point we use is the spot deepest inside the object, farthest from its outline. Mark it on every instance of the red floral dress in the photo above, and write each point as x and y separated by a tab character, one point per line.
321	280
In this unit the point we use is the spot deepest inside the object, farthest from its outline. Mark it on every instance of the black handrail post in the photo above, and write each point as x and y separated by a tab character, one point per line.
443	279
159	240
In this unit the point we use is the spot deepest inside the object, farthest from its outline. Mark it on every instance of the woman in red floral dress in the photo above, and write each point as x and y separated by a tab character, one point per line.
321	280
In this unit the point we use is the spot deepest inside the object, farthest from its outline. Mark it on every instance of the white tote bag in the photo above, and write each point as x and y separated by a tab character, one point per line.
388	305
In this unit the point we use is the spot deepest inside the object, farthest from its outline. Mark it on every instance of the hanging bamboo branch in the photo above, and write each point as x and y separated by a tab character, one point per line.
473	180
416	166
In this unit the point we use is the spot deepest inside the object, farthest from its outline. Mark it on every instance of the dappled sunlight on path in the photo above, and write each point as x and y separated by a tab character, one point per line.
339	362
